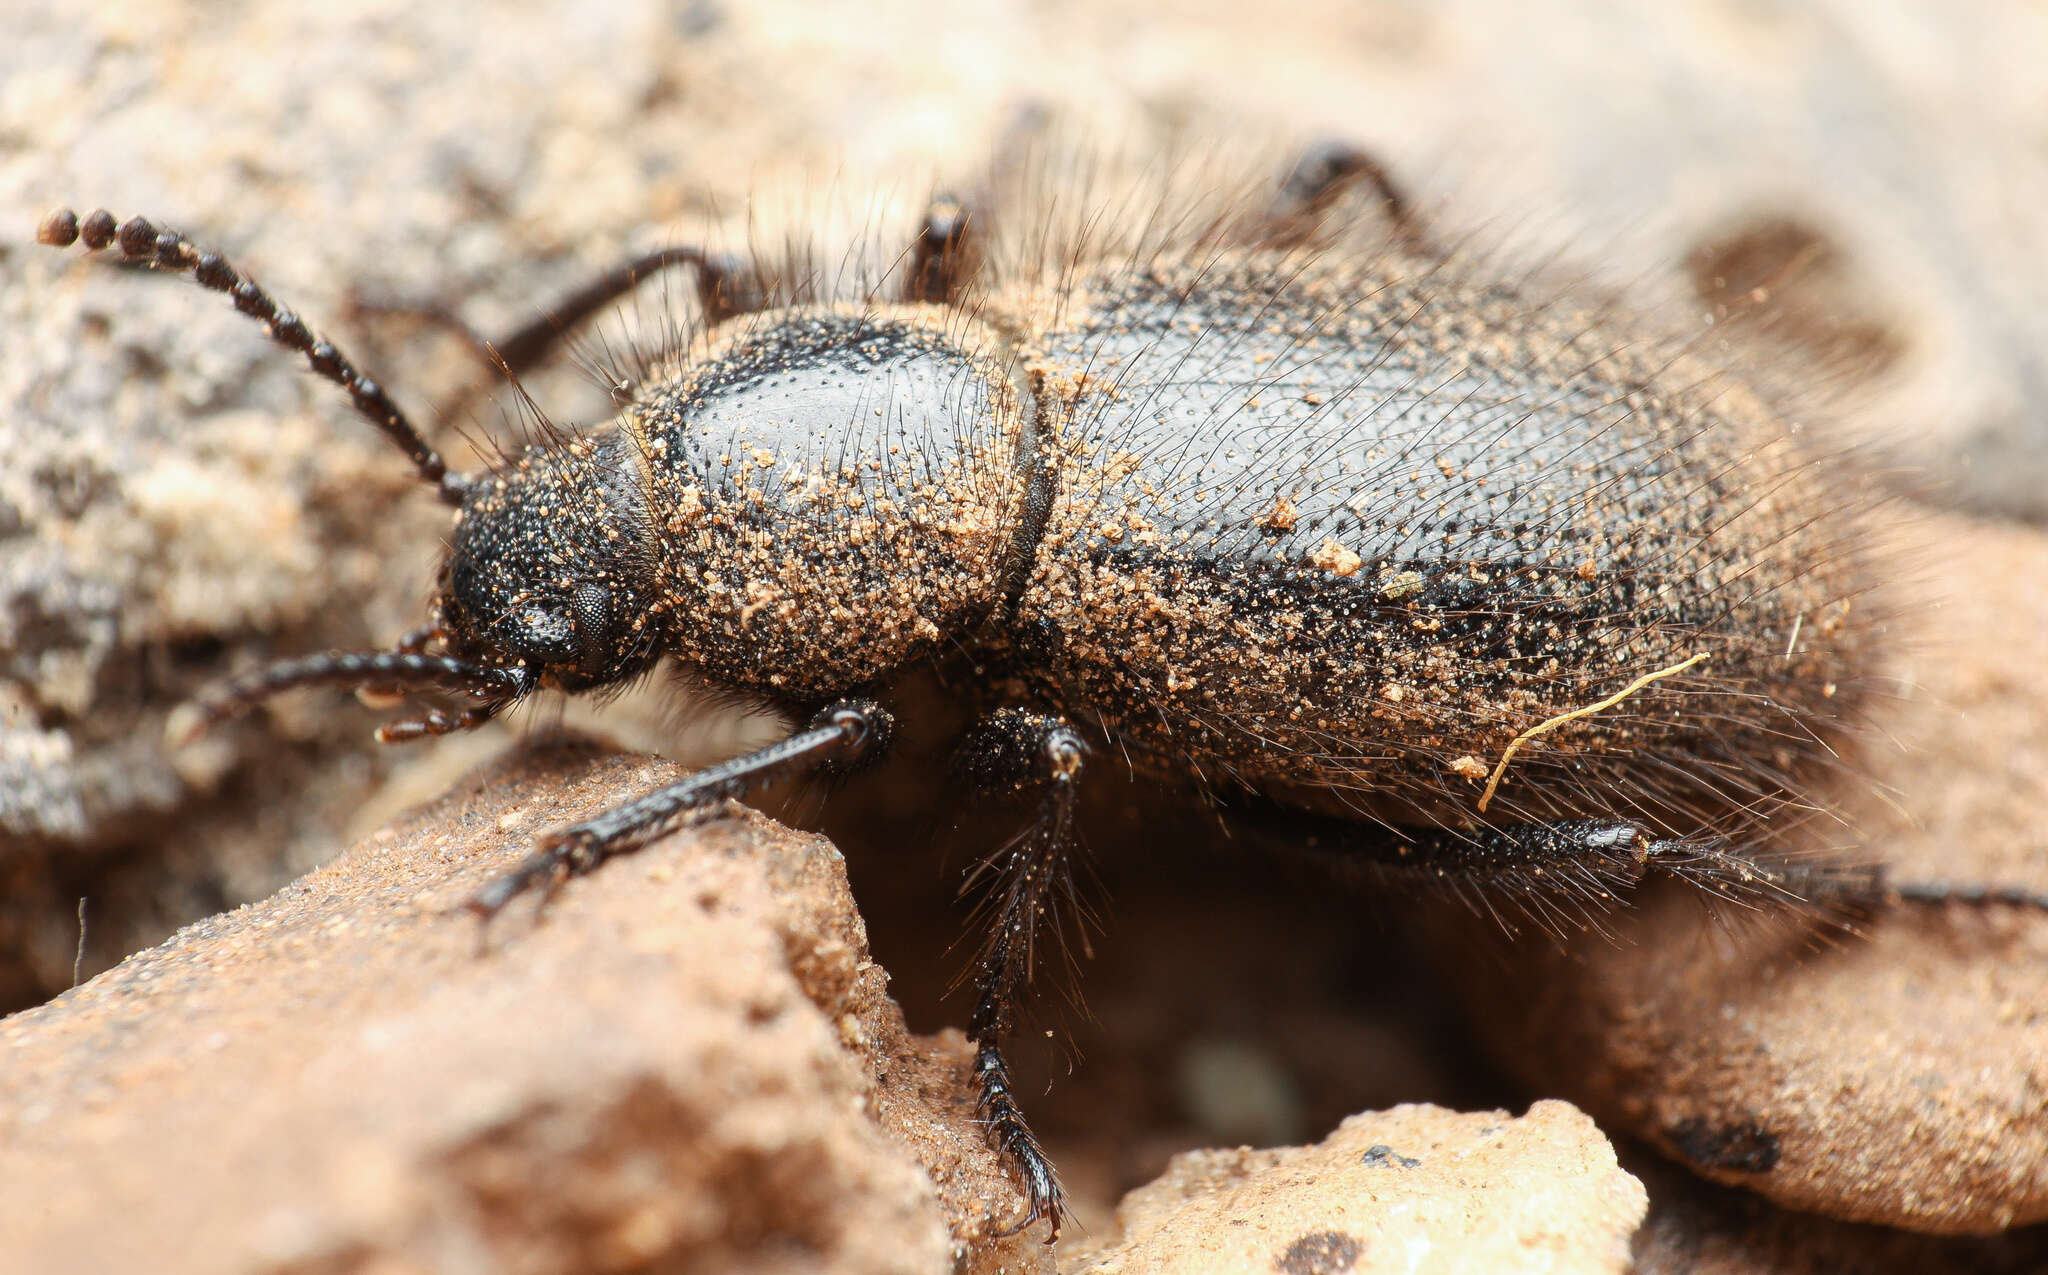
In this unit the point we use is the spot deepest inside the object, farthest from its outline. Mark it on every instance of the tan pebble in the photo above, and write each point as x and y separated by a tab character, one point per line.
1336	559
1400	585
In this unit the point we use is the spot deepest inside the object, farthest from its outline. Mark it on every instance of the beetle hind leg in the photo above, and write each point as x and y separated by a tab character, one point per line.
1561	873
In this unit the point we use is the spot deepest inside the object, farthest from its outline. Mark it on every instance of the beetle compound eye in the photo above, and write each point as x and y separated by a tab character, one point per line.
593	616
543	636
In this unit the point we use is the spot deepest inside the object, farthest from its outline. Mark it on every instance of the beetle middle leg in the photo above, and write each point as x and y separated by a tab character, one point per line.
943	256
1022	887
1319	178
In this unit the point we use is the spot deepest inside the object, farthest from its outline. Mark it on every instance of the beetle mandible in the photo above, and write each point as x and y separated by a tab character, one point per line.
1283	504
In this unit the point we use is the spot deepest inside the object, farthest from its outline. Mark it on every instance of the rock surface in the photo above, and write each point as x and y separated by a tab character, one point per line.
1698	1229
685	1061
177	500
1894	1076
1418	1190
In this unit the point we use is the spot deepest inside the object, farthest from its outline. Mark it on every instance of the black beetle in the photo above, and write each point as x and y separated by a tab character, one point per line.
1413	571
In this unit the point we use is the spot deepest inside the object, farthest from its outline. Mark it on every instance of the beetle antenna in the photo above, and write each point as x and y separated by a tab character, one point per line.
146	244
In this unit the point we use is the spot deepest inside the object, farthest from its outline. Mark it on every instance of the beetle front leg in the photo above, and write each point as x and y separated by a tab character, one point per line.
726	286
1022	886
838	735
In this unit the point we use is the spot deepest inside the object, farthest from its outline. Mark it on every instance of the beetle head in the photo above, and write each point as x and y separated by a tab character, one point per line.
545	570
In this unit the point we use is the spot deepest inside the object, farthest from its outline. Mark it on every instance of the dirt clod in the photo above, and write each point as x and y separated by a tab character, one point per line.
1473	1191
691	1054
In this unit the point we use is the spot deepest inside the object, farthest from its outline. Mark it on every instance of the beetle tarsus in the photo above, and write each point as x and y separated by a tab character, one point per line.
1013	1138
434	723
